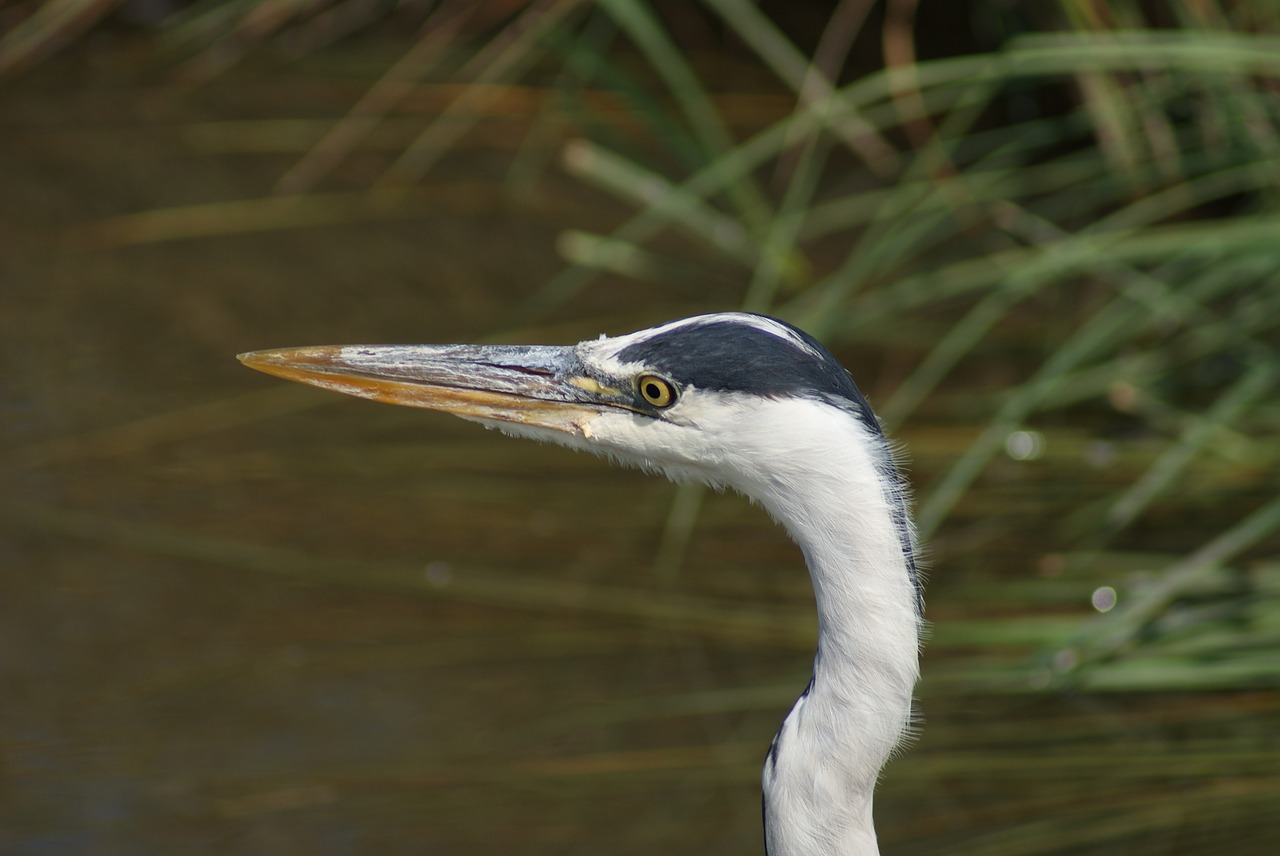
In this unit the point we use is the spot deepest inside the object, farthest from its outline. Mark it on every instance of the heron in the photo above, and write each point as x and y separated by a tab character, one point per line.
732	400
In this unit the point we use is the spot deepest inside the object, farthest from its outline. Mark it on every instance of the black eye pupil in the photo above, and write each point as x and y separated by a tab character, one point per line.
656	391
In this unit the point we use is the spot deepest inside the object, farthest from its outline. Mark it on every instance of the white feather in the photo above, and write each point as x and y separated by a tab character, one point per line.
820	473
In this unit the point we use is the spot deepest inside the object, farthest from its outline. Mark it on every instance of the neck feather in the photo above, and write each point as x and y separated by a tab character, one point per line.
849	516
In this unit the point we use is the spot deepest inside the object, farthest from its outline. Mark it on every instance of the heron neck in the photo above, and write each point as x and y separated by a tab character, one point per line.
847	518
868	621
867	660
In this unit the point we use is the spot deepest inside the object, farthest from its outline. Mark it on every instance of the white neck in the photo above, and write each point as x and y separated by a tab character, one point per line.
822	770
828	479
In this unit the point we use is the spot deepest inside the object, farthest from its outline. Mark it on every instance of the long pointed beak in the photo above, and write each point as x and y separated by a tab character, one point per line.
535	385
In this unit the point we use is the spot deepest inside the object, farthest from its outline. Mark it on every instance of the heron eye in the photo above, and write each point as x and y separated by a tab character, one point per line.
657	391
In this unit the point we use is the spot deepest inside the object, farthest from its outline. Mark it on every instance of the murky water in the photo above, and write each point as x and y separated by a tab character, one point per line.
242	617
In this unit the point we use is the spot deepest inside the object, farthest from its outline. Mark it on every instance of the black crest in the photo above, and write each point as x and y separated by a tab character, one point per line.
729	355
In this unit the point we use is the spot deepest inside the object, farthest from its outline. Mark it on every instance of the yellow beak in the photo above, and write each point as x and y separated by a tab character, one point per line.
540	386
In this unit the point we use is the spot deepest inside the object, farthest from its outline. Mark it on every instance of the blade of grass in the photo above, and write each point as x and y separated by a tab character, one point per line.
1234	401
379	100
1108	634
506	57
795	69
699	111
627	179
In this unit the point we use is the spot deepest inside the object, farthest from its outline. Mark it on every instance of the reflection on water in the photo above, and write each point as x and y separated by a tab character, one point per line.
242	617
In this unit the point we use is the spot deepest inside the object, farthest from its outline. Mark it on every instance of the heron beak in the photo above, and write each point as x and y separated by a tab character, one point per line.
540	386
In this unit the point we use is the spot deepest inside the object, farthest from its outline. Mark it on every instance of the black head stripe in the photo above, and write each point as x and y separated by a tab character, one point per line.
728	355
734	354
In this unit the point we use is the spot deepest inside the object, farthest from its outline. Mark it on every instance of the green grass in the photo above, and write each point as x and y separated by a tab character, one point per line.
1088	213
1143	209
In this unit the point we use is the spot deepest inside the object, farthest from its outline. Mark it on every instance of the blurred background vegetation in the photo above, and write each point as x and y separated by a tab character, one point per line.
1046	236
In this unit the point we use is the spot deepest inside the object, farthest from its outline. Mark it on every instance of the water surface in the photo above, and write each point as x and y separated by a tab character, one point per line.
242	617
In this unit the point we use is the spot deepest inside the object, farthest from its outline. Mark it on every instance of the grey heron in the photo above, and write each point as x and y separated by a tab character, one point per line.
732	400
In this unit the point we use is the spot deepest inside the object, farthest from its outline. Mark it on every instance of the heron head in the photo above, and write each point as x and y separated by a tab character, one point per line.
718	398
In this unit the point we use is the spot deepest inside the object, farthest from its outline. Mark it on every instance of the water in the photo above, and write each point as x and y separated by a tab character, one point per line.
242	617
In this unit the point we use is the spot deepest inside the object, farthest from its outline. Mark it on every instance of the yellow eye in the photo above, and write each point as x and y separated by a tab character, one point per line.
659	392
